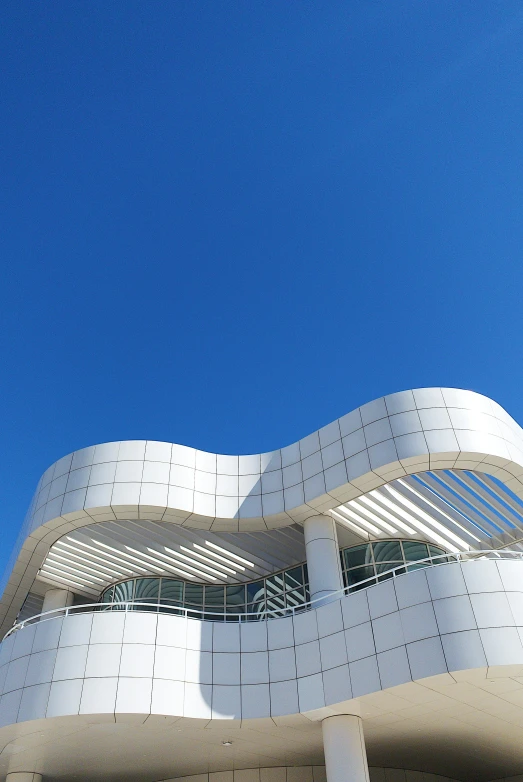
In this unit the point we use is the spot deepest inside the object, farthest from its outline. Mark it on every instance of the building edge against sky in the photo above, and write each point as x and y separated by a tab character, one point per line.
352	600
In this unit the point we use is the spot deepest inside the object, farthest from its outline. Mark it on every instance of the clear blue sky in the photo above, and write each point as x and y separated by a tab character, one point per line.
225	224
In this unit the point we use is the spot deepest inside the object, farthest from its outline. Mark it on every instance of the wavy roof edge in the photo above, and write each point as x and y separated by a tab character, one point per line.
402	433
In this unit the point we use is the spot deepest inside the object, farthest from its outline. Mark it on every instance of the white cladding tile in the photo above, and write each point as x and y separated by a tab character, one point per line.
226	702
382	599
280	633
482	576
412	589
359	641
33	703
226	668
198	667
167	697
463	650
502	646
282	664
40	668
133	695
492	610
226	637
64	697
137	660
197	702
454	614
355	609
169	663
256	702
76	630
310	692
308	659
47	635
394	667
253	636
364	676
305	627
255	668
70	662
388	632
284	698
99	696
140	628
107	628
333	651
426	658
337	685
103	660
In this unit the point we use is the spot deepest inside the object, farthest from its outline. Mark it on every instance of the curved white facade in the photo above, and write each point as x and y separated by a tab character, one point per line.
428	664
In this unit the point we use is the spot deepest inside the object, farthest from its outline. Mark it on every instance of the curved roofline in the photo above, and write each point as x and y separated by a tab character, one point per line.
403	433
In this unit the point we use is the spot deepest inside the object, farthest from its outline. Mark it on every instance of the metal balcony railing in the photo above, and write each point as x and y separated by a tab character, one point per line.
223	616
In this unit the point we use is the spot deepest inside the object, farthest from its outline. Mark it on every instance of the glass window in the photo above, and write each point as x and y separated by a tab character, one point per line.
194	594
358	574
172	591
296	597
434	551
147	590
414	550
386	569
255	591
358	555
107	596
235	596
123	592
293	578
274	585
387	551
214	597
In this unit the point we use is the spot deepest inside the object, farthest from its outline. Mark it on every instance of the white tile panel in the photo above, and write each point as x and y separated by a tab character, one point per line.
337	685
226	702
137	660
103	660
360	642
308	659
394	667
254	668
70	662
99	696
426	658
33	703
133	696
282	664
167	697
64	697
226	668
256	701
364	676
284	698
418	622
169	663
310	693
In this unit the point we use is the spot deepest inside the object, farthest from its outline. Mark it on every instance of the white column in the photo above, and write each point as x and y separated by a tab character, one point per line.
23	776
344	746
323	556
57	598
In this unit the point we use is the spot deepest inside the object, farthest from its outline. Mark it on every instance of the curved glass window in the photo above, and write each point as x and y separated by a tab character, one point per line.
375	560
268	597
271	596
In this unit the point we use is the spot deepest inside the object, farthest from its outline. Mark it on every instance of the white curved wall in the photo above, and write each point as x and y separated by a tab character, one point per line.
447	618
407	432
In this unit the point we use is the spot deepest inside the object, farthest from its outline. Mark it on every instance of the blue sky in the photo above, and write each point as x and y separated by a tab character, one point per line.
225	224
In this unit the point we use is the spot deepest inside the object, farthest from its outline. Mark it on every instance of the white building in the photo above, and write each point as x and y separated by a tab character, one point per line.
347	608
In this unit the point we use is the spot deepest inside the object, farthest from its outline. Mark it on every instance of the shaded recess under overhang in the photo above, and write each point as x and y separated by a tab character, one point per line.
459	510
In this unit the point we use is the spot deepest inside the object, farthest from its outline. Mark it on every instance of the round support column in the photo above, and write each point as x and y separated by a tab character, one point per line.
323	556
344	746
23	776
57	598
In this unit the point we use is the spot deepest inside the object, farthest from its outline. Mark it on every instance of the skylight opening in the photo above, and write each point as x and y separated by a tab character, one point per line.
230	554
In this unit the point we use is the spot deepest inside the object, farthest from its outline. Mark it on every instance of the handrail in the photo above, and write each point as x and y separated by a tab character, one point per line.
400	569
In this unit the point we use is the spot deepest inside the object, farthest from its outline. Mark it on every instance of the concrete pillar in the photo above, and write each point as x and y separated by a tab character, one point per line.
57	598
23	776
344	746
323	556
